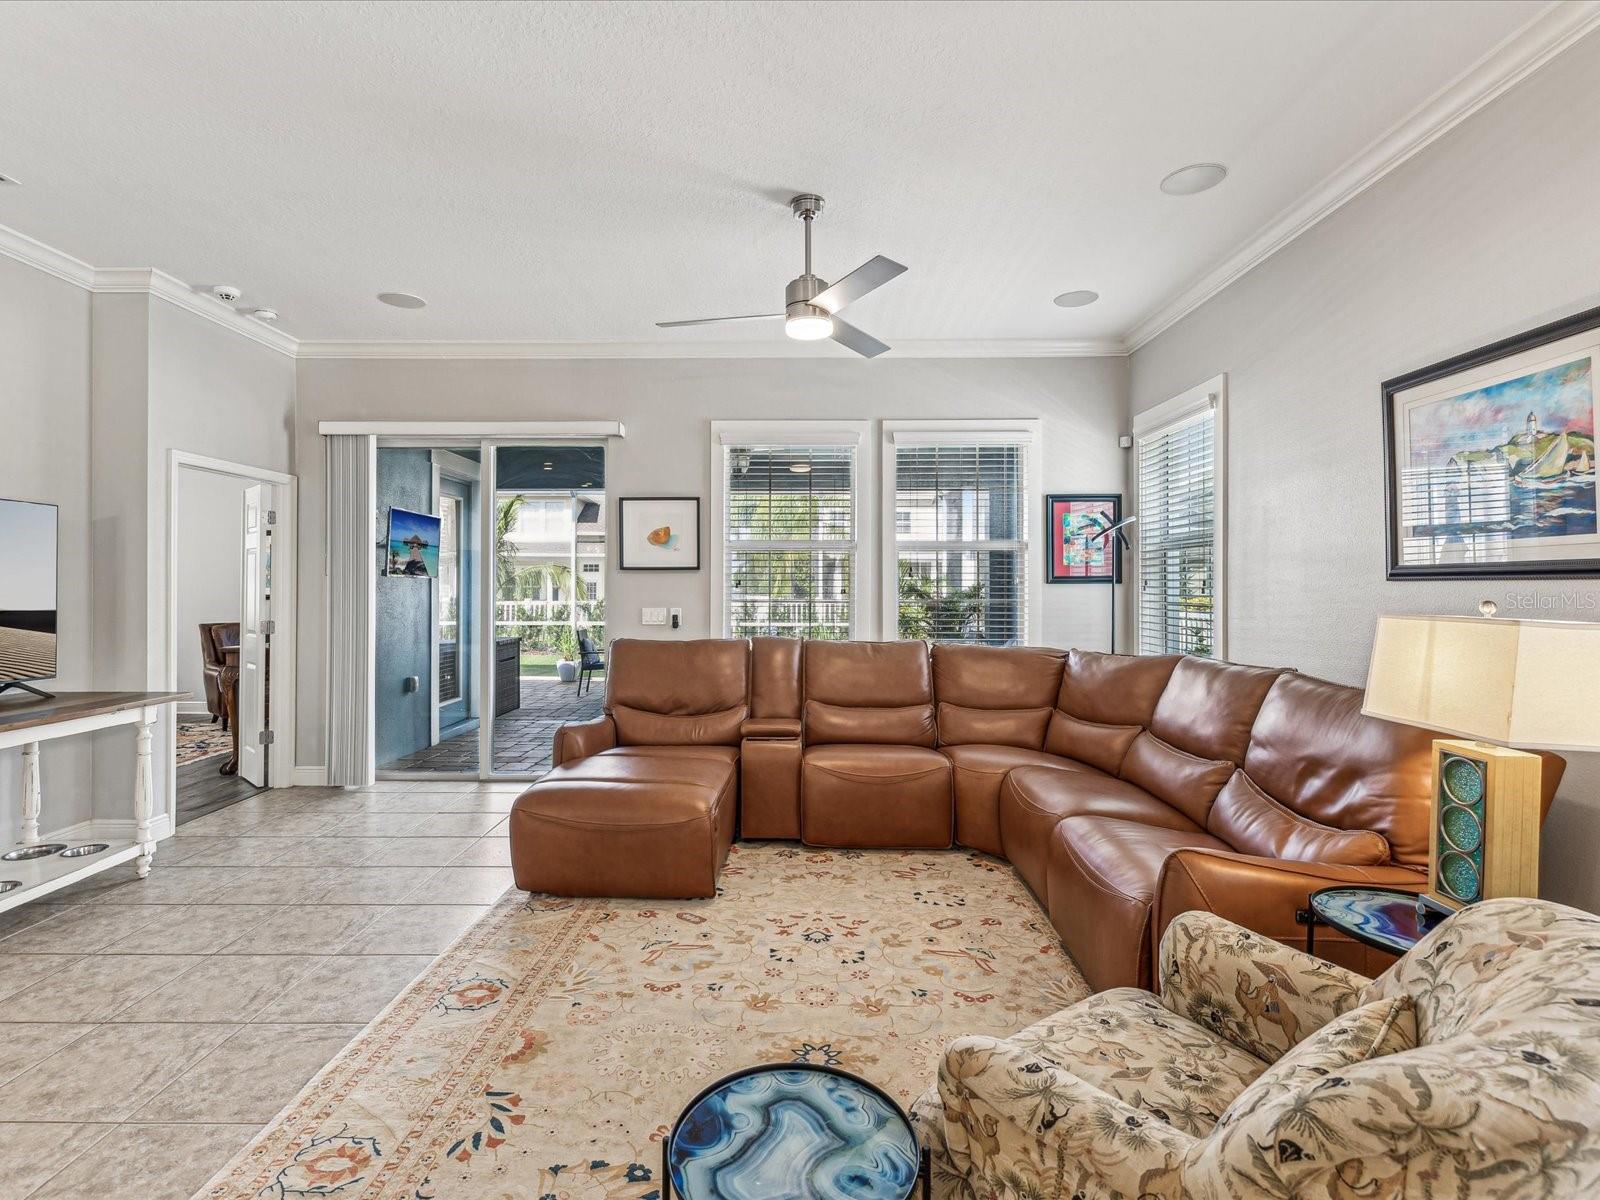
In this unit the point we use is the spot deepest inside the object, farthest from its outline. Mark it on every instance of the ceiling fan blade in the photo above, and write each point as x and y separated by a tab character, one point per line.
718	320
859	340
875	272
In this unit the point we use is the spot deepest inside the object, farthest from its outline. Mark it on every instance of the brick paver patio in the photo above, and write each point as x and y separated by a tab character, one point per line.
522	737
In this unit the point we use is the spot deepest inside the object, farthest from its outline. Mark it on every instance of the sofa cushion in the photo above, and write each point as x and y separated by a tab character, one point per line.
1185	781
875	796
775	677
1034	800
1101	746
1103	874
1268	1123
665	693
1313	752
1252	822
911	725
1020	727
1207	707
639	726
995	695
868	692
1124	1042
979	772
1114	689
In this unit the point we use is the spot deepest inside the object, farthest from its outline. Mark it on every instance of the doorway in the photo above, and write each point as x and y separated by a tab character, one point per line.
477	645
227	639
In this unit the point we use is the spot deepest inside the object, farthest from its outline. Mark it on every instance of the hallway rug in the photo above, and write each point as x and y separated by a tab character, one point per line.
547	1052
200	739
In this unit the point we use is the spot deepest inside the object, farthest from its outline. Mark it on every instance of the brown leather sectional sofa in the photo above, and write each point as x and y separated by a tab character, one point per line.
1124	790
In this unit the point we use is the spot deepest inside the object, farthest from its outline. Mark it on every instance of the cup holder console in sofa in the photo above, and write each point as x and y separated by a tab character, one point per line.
1124	790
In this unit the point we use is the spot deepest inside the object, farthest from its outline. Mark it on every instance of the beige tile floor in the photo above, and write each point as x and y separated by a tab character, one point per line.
149	1028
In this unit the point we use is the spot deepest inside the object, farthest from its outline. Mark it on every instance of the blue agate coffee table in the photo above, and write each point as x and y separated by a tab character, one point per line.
792	1131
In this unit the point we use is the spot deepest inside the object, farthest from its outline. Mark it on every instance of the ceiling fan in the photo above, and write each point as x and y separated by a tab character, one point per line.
811	304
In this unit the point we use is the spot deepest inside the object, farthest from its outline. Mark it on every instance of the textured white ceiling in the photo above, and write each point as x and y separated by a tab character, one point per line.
575	172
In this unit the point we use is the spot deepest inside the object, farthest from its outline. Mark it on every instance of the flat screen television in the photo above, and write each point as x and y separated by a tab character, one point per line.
27	592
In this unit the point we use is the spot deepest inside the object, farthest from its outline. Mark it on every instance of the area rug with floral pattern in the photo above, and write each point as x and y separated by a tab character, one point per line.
201	739
548	1051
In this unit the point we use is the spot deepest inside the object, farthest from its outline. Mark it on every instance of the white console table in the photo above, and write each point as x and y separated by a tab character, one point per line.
27	723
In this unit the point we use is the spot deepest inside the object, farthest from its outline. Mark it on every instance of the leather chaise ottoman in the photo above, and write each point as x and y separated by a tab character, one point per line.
620	824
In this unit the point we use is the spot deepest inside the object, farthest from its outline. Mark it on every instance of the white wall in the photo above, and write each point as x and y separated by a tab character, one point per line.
210	553
1489	232
44	416
667	406
95	391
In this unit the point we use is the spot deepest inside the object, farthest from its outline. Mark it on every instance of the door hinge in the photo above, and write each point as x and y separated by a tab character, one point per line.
272	516
268	737
269	627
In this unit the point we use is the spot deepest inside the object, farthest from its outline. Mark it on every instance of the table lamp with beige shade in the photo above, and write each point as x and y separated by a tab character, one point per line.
1506	687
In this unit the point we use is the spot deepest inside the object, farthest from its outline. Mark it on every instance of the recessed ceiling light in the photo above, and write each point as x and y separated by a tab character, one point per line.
402	300
1196	177
264	314
1076	299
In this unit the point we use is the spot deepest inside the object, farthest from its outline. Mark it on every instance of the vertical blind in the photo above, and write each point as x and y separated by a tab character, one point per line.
1177	538
961	545
352	522
790	541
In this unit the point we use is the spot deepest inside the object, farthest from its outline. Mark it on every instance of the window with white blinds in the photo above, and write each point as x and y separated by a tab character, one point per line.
961	538
1177	531
789	540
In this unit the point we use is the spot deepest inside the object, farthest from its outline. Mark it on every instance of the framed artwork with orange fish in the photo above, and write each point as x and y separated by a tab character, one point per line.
658	533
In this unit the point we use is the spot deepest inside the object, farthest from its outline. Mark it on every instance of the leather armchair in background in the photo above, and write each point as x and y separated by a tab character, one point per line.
215	638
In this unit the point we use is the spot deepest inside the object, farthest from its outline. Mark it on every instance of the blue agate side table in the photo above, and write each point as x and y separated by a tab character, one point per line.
1386	919
792	1131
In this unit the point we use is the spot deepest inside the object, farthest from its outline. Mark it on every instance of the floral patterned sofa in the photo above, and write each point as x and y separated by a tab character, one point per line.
1471	1068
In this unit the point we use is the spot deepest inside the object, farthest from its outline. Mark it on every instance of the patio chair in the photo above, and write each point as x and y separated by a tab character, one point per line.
590	660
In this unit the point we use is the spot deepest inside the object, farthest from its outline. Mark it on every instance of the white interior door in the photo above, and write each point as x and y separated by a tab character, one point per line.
255	627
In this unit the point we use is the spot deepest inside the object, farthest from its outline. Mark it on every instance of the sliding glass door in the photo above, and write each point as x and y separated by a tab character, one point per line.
550	567
490	604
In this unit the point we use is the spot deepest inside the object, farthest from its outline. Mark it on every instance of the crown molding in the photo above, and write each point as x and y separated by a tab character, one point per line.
1513	60
149	281
48	259
774	348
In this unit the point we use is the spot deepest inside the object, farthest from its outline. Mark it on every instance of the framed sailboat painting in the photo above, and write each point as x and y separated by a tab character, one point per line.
1490	459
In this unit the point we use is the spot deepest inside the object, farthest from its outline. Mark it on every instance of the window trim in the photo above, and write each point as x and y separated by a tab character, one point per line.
1213	395
1024	430
726	434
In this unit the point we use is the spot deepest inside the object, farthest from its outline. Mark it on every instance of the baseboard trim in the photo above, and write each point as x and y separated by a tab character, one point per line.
112	829
310	777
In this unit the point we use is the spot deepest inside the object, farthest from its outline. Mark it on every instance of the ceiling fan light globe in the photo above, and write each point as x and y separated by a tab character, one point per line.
808	327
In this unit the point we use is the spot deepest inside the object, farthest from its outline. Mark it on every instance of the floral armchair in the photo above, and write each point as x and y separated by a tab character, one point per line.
1471	1068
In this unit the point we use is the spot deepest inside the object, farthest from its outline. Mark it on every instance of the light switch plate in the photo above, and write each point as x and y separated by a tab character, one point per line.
653	616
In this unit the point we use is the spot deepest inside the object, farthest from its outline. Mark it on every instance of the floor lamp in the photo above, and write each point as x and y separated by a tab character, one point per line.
1113	536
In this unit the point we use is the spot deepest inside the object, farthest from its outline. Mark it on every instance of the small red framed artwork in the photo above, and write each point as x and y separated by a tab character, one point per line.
1076	554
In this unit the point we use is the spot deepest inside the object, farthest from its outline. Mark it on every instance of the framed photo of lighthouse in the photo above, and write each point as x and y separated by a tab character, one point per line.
1490	459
